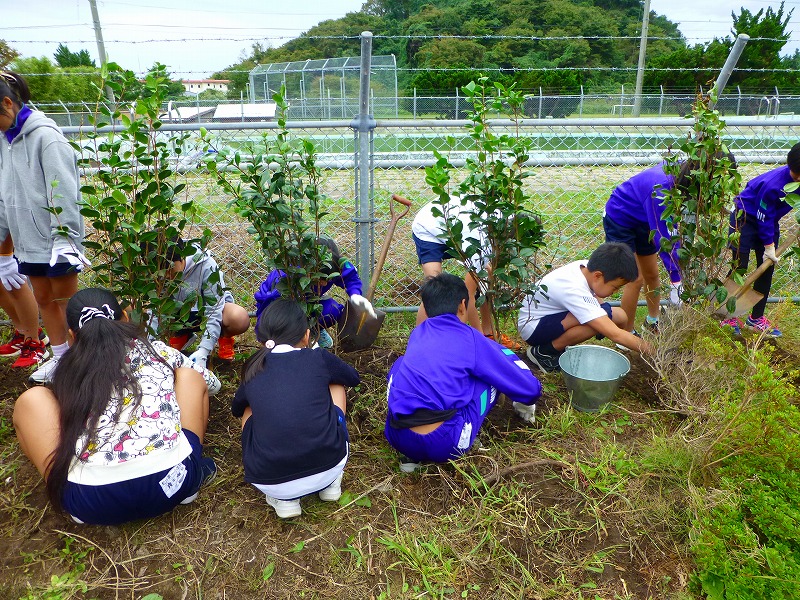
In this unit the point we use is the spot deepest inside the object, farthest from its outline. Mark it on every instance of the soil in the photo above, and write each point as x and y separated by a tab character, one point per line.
229	543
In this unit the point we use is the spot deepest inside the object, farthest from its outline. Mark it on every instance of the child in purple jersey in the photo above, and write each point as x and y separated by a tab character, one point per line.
633	211
441	390
756	216
347	279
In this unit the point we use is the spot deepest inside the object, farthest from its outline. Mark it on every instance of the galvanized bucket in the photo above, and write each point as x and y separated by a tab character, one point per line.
593	375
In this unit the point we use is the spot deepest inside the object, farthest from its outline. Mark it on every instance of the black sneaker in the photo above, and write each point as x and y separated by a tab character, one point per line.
543	360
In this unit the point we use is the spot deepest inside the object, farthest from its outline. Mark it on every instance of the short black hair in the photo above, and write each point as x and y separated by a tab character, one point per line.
164	252
793	159
329	268
443	294
614	260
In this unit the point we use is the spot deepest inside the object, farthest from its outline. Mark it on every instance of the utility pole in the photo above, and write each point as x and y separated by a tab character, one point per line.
637	98
101	48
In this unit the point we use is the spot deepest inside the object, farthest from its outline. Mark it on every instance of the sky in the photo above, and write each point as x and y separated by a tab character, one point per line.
195	38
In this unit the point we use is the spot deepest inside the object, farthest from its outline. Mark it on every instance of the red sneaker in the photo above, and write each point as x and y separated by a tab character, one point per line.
225	349
32	353
179	341
506	341
12	348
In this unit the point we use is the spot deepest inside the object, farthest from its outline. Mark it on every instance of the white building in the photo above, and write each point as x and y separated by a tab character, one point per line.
197	86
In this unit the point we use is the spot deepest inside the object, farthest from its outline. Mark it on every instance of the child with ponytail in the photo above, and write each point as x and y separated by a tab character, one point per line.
292	405
116	439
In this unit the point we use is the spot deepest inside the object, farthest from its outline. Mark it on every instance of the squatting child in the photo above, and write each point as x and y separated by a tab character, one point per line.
441	390
202	278
118	435
292	405
347	279
566	309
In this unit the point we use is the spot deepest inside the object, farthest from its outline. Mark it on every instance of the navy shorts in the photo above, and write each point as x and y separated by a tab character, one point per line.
636	238
140	498
431	251
45	270
550	328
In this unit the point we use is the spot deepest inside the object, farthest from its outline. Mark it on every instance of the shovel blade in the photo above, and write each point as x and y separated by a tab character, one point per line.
743	303
358	329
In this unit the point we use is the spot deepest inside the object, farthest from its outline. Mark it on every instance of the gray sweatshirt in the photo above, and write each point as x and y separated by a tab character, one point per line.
195	279
37	158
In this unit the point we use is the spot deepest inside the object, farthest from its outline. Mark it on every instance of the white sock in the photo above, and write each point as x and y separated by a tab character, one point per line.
58	351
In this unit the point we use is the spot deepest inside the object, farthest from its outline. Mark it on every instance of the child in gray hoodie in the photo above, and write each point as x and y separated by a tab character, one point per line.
40	208
202	279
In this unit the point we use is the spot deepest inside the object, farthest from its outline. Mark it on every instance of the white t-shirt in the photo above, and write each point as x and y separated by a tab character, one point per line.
566	290
430	228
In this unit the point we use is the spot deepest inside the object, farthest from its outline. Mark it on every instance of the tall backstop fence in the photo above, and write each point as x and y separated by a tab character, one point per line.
575	164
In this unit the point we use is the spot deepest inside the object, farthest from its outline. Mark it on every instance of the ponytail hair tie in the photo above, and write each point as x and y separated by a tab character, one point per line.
90	312
269	344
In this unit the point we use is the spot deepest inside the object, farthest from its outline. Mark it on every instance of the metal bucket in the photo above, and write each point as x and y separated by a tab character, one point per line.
593	375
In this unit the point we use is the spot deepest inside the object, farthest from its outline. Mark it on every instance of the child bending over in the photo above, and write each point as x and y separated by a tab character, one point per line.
292	404
566	309
442	389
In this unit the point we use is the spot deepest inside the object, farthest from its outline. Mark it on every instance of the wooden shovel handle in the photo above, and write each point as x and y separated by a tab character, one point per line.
395	217
766	264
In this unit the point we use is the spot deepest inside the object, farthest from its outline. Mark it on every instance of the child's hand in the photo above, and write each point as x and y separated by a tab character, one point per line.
63	248
362	302
10	276
199	357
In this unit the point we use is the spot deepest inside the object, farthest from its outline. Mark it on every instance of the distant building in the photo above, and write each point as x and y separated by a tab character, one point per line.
197	86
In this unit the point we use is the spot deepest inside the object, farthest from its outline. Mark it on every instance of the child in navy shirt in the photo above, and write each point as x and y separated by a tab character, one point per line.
442	389
756	216
292	403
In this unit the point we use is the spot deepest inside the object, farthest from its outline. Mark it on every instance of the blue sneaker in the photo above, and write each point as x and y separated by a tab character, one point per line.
762	325
325	339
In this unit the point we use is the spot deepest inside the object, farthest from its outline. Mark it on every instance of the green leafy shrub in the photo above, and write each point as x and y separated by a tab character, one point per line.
494	185
134	203
275	187
697	209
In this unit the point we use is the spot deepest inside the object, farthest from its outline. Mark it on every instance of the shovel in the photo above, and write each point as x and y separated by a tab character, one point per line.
357	328
746	297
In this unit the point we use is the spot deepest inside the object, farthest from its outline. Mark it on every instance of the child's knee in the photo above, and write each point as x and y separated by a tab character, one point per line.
619	317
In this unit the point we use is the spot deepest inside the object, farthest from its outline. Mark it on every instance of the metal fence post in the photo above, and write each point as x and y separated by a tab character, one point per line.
539	115
580	106
363	125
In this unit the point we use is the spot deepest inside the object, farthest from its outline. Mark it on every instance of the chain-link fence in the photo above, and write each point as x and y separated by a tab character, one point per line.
343	103
575	165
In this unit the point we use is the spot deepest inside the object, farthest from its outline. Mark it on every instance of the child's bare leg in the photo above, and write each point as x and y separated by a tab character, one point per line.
37	423
648	271
339	396
235	320
191	393
629	300
429	269
52	295
473	315
21	308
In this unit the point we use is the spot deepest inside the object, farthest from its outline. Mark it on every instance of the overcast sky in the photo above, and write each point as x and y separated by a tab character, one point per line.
195	38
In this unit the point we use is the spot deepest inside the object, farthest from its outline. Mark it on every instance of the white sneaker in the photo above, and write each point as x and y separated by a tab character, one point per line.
285	509
526	412
333	492
44	374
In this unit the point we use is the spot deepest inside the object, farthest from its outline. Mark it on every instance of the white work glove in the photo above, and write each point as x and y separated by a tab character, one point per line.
362	302
769	252
10	276
526	412
63	248
675	290
199	357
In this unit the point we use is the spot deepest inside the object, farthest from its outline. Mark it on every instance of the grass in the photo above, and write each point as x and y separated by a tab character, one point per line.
595	506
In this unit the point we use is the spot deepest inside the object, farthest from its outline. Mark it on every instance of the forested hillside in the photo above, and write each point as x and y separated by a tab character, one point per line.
554	44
